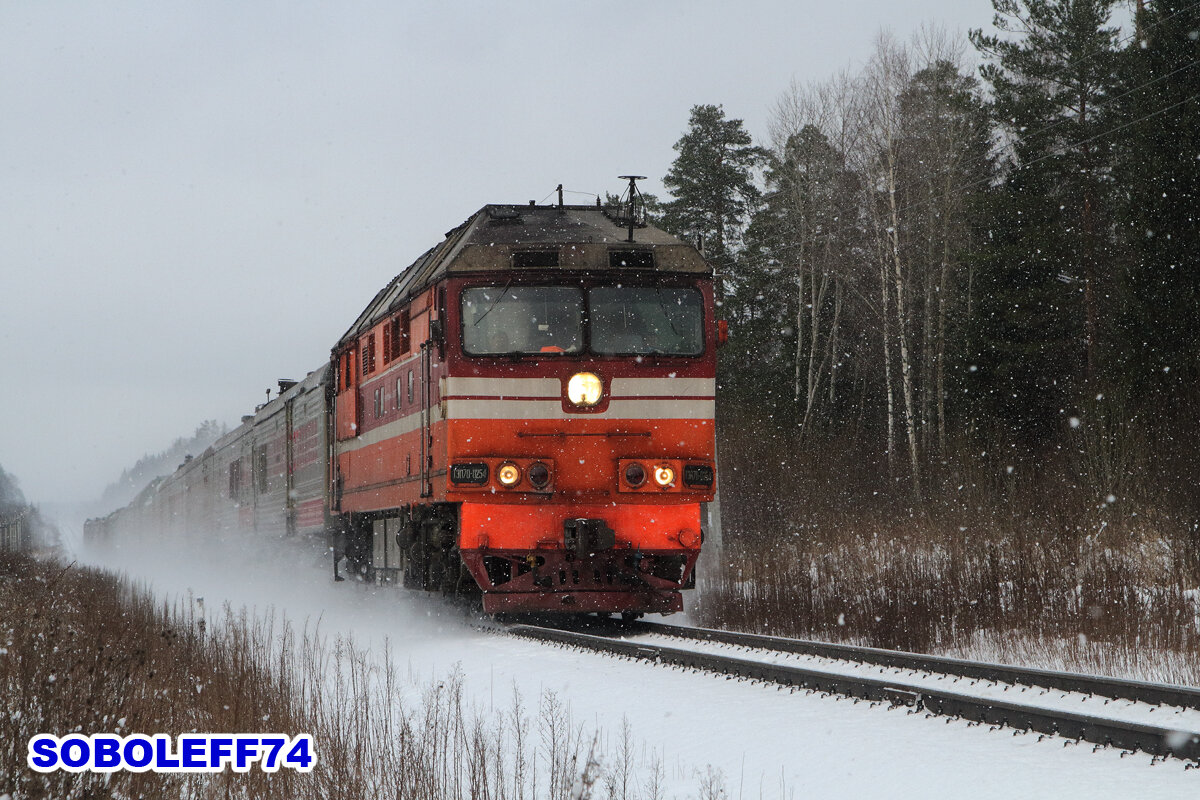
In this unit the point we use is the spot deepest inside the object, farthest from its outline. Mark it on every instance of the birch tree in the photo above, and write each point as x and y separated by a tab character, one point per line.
884	80
944	164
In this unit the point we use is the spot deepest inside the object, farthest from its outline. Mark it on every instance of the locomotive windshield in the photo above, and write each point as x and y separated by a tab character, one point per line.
620	320
636	320
513	320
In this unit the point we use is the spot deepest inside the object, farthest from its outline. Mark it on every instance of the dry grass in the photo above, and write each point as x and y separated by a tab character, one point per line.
81	651
963	591
85	653
1038	564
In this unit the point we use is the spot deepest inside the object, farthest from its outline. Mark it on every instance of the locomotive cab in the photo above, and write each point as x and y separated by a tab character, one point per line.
580	436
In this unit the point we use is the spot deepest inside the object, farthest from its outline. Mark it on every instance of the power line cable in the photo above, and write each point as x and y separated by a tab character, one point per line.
1127	39
1095	53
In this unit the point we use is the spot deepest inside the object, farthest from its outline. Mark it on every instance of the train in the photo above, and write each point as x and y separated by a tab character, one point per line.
524	414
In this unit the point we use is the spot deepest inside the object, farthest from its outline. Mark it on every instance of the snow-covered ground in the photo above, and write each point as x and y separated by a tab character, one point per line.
762	741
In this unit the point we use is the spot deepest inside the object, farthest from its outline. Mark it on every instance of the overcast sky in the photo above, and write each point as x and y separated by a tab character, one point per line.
198	198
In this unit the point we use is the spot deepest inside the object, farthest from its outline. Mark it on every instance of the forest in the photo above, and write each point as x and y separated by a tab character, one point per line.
962	365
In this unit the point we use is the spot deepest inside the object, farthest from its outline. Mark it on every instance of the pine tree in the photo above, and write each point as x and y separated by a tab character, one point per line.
10	492
1045	278
1159	164
712	182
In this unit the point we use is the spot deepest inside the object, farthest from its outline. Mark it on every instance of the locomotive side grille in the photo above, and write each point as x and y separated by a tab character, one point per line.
533	259
368	354
631	259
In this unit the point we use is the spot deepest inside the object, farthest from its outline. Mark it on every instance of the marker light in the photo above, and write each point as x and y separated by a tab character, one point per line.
635	475
539	475
508	474
584	389
664	476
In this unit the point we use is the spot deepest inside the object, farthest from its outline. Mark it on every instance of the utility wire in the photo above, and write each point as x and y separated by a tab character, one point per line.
1101	103
1127	39
1058	154
568	191
1105	100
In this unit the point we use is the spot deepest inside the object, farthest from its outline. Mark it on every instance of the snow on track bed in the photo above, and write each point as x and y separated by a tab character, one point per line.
1116	709
1123	723
1156	694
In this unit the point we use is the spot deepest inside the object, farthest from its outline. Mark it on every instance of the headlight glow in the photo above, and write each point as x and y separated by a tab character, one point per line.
585	389
508	474
664	476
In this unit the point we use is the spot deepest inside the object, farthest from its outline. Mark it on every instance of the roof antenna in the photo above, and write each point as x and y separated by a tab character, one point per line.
560	200
633	192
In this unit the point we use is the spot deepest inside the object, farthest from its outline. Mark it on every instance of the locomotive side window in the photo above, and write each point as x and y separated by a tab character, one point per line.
635	320
260	468
522	320
346	367
395	337
235	479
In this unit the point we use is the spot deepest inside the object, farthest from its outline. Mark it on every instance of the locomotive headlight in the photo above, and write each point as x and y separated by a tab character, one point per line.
508	474
585	389
664	476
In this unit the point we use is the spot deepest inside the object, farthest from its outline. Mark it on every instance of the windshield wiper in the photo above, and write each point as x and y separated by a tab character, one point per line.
663	308
499	297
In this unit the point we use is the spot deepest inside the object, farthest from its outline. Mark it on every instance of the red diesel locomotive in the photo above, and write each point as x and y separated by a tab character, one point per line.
526	412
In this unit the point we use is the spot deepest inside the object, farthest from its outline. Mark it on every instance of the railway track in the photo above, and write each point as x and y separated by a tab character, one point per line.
1158	719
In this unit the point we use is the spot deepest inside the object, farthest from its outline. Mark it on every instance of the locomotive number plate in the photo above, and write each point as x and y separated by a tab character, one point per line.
469	473
698	475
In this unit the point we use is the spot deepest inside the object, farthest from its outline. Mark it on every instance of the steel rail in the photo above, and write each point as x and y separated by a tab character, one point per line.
1158	741
1114	688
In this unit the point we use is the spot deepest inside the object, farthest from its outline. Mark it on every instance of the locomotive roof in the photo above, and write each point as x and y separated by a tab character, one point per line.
584	238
